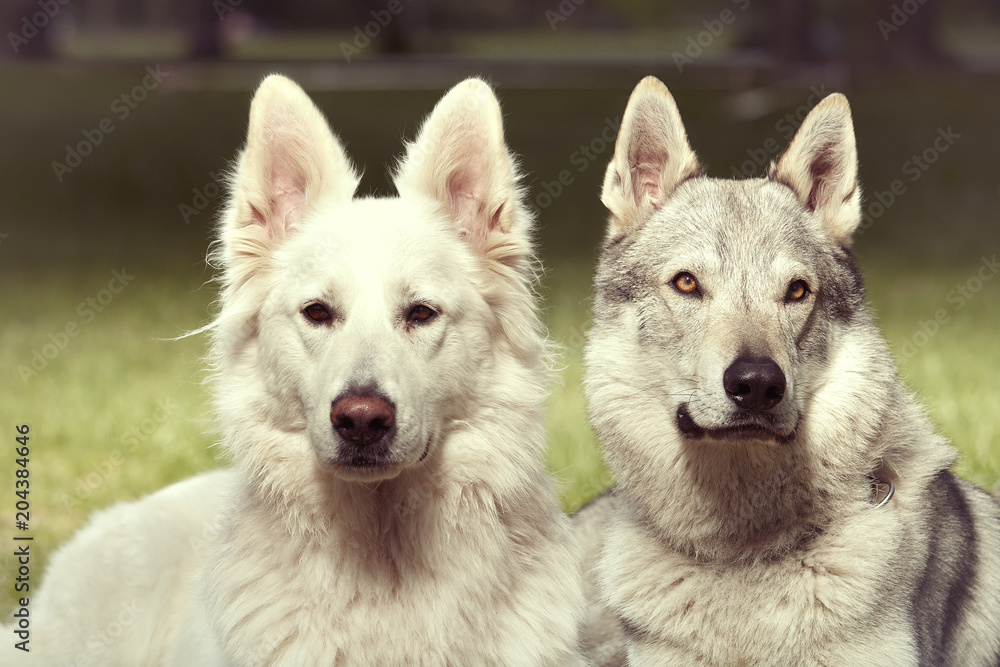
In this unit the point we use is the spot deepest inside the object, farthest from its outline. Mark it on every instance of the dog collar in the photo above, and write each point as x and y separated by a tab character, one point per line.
882	491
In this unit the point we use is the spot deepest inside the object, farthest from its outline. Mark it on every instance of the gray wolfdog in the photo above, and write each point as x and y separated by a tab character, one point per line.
782	499
380	371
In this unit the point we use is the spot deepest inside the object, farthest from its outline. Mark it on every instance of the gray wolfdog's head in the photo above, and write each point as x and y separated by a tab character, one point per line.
353	333
730	340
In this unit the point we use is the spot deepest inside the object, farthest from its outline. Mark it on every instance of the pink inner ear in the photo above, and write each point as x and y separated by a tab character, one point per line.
465	208
257	218
495	219
286	199
466	205
822	173
647	175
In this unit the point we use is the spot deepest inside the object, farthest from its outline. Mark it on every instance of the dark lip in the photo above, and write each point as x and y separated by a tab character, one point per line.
427	449
737	431
359	464
366	463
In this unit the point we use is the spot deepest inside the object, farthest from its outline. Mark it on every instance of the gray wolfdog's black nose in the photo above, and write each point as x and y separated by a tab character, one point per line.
754	384
361	419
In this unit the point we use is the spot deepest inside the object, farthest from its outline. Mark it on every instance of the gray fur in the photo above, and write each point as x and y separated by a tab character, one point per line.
740	537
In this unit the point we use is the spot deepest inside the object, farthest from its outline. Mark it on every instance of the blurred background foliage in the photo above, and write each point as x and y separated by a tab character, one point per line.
118	408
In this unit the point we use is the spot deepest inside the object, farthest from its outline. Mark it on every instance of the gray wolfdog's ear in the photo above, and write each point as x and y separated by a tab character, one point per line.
652	157
292	160
821	167
460	160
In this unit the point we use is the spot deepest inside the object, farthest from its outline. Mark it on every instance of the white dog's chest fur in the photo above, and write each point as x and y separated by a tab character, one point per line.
376	601
810	608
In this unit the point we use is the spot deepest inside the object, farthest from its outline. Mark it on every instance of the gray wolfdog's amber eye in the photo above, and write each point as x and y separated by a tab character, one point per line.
420	314
317	312
685	283
797	291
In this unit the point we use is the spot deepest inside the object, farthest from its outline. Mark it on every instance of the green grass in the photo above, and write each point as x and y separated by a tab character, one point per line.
954	370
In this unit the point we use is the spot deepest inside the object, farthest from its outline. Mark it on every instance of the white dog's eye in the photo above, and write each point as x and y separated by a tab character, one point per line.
317	312
797	291
420	314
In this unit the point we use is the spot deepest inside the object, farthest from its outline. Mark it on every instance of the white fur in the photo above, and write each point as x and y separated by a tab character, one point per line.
454	552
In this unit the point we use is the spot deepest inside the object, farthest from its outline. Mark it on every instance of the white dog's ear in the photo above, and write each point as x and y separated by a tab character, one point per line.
292	160
652	157
821	167
459	159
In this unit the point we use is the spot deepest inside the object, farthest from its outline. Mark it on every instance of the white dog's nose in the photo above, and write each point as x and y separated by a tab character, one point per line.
362	419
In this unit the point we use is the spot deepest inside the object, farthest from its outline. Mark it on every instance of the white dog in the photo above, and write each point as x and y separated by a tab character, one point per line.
380	372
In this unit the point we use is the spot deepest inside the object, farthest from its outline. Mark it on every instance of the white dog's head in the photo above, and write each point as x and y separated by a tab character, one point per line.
357	330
